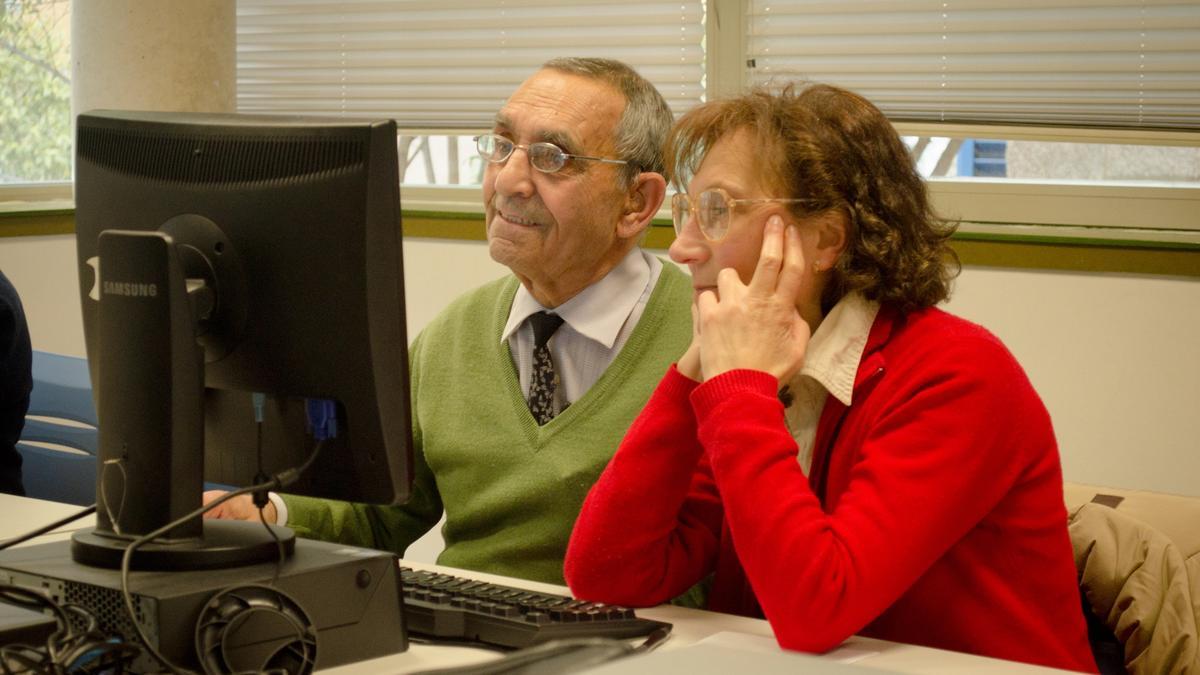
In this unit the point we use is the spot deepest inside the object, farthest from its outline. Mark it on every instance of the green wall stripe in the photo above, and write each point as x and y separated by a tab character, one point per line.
37	223
1008	251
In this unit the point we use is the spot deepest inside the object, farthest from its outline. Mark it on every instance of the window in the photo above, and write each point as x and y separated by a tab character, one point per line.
1009	107
35	101
1055	161
1090	63
448	64
1082	116
429	159
1062	103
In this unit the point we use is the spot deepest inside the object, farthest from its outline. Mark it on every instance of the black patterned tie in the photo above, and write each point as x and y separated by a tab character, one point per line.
544	380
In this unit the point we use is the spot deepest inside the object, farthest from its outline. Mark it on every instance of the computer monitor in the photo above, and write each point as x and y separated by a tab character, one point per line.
219	256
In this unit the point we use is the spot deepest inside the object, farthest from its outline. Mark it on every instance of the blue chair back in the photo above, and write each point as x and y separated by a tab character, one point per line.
58	444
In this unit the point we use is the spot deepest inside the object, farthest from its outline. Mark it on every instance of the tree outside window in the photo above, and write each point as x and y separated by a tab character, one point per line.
35	99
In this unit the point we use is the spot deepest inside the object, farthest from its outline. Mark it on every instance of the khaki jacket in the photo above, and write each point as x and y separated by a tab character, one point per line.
1138	556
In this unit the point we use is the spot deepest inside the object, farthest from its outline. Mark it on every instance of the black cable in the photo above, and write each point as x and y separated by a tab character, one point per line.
66	650
564	655
43	530
457	642
31	599
30	664
262	518
289	476
261	497
114	519
279	481
654	639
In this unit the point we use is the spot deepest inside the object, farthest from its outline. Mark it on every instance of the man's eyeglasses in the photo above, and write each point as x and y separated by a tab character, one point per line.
545	157
712	209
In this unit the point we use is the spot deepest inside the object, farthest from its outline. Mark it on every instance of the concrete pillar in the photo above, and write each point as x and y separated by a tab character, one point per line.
125	55
154	55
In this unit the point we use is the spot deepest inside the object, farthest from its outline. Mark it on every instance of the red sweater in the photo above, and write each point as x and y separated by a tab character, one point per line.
933	515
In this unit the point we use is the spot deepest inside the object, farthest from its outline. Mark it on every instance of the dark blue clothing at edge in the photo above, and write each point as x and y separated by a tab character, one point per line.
16	381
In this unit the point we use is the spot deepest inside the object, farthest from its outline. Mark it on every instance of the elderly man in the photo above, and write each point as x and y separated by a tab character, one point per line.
522	388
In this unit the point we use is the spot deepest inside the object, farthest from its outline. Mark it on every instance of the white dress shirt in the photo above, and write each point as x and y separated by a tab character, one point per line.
830	366
596	324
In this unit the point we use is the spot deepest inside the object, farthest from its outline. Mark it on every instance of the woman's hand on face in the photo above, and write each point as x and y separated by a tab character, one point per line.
757	326
689	363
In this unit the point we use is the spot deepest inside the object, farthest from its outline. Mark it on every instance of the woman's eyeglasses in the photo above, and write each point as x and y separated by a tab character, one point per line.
712	209
545	157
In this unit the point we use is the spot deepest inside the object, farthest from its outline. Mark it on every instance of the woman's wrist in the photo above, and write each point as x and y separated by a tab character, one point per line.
689	363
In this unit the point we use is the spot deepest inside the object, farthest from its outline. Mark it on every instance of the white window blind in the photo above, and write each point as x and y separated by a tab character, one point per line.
1061	62
450	63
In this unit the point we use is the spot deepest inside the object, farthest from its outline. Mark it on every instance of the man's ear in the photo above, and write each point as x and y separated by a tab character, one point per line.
642	202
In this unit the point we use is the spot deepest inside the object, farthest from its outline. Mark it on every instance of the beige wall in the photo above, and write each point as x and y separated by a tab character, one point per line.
1113	356
43	271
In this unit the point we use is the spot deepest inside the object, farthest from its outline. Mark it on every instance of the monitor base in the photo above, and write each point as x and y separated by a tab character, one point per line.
226	543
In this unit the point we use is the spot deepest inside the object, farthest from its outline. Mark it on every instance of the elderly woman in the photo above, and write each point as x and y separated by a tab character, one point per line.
836	453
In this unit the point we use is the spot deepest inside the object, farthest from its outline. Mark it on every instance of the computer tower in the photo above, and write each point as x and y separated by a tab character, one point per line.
351	597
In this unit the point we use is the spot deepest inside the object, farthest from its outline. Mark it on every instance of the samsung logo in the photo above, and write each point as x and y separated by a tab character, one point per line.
130	289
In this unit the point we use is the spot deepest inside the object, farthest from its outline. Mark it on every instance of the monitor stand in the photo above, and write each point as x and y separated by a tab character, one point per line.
158	297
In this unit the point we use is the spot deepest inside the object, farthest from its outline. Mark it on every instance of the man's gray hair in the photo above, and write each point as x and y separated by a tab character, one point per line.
644	124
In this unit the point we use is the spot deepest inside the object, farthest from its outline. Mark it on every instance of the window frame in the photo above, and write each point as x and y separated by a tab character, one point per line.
1000	209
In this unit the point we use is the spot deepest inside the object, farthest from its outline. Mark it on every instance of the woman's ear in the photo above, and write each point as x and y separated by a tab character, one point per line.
642	202
832	240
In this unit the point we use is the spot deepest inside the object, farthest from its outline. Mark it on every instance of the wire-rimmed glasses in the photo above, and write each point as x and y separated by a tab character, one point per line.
712	209
545	157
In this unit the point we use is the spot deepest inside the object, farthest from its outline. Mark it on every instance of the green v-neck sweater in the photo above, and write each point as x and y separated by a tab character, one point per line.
511	490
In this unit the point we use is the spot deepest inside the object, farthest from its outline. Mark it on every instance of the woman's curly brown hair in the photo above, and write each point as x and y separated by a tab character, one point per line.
833	147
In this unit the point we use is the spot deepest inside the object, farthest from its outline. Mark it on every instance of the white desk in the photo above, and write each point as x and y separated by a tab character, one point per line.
19	515
692	625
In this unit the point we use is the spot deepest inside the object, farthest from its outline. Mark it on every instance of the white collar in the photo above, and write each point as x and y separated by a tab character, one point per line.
597	312
836	349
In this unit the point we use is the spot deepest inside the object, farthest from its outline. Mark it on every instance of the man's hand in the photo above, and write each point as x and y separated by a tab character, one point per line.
757	326
239	508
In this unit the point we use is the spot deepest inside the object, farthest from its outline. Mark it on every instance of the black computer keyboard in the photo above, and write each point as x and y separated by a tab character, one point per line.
448	607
